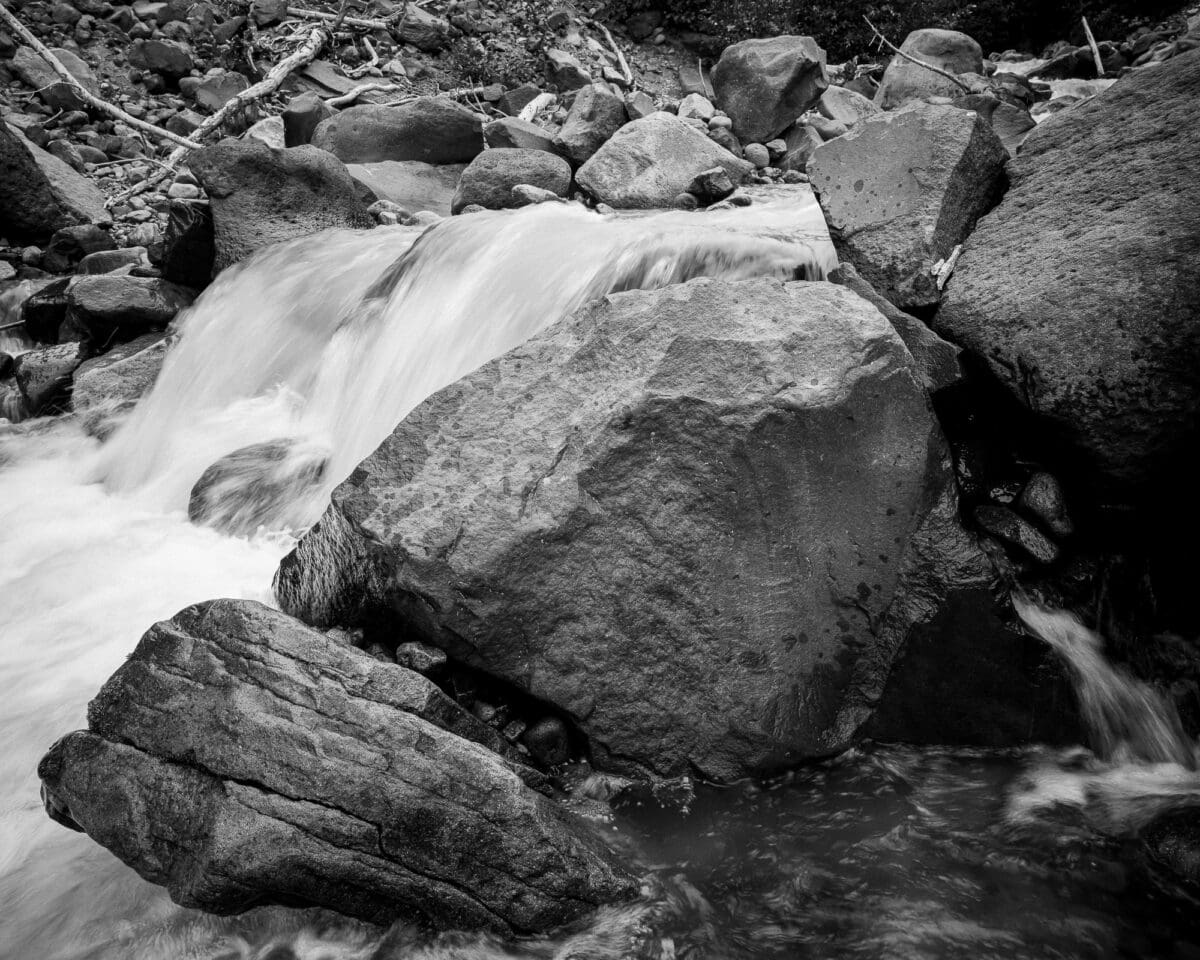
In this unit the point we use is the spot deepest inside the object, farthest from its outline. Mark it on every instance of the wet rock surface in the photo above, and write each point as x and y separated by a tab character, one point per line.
227	760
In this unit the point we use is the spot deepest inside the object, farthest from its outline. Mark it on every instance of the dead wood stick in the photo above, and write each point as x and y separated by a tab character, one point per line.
920	63
301	56
364	69
625	71
1087	30
352	95
944	268
84	94
336	20
530	110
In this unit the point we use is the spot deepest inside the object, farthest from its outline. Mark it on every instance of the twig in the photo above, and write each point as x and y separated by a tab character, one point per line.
944	268
357	92
364	69
705	82
336	20
626	72
302	55
1095	48
530	110
920	63
86	95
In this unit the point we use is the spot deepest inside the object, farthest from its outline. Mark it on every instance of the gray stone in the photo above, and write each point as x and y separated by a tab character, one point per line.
1012	124
515	100
301	117
489	179
757	154
648	162
124	307
1043	499
53	91
696	107
801	142
902	189
218	88
1015	530
44	376
904	80
189	244
565	71
108	261
764	85
239	758
711	185
675	516
40	194
597	113
167	57
424	30
510	132
115	380
846	107
430	129
411	184
261	196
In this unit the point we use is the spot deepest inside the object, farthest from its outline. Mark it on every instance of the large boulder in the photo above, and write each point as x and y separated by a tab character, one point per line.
411	184
649	162
430	129
239	758
902	189
764	85
52	89
262	195
124	307
676	516
950	50
40	194
489	178
596	114
1079	290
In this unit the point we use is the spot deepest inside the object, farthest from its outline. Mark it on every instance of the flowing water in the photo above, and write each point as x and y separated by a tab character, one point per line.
314	351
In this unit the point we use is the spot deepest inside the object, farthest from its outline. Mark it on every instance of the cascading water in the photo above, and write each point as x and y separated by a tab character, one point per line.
304	359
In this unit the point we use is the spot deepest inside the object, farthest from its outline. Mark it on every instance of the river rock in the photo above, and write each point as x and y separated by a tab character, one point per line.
261	196
44	376
118	307
1079	290
167	57
110	261
489	178
239	758
950	50
410	184
430	129
846	107
597	113
53	91
70	245
801	141
40	194
648	162
674	516
115	380
512	132
902	189
764	85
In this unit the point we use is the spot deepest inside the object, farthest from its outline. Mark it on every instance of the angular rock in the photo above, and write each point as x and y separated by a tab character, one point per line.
301	117
1012	124
489	178
171	59
845	106
116	379
1172	840
40	194
802	142
44	310
648	162
44	377
1013	529
675	516
696	107
516	99
71	244
411	184
902	189
564	71
514	133
711	185
218	88
597	113
109	261
268	130
239	758
424	30
904	80
110	307
53	91
261	196
1043	499
1079	290
764	85
189	244
430	129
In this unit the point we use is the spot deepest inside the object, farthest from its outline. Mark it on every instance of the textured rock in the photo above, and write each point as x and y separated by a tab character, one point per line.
261	196
44	376
1172	840
430	129
902	189
301	117
764	85
904	80
53	91
411	184
124	307
116	379
489	178
40	194
1016	531
167	57
597	113
511	132
238	758
1011	123
1079	290
565	71
846	107
648	162
802	142
676	516
424	30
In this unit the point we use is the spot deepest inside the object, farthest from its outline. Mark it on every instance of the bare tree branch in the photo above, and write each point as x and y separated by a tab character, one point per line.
920	63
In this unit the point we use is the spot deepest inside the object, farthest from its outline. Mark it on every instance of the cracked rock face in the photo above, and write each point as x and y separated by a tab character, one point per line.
678	516
239	758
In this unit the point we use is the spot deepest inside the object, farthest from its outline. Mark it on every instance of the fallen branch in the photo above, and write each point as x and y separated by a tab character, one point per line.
625	71
338	21
920	63
301	56
364	69
944	268
352	95
86	95
530	110
1087	30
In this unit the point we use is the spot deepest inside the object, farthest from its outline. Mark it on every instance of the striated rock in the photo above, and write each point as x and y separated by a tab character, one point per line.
764	85
675	516
261	196
489	179
239	758
116	379
597	113
902	189
44	376
904	80
648	162
511	132
53	91
410	184
430	129
109	307
40	194
1079	290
